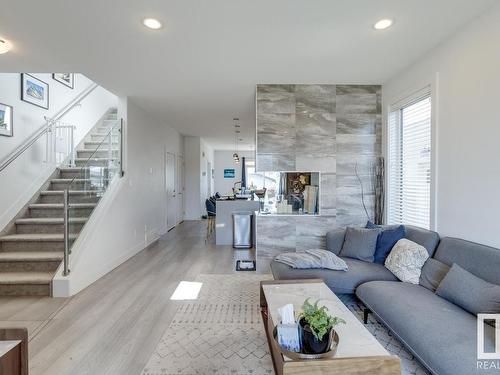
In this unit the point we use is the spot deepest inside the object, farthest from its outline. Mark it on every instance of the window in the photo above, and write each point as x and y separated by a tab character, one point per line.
409	167
260	180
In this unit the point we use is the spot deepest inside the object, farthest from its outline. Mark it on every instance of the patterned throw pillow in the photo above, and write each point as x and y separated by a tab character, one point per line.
406	260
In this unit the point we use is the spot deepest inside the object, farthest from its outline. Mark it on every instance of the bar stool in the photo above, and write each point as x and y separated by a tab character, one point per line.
210	206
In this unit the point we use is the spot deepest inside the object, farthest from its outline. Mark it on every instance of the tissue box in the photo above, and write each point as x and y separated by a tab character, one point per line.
288	337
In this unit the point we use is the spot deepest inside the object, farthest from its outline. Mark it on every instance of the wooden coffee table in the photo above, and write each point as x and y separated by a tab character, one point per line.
358	351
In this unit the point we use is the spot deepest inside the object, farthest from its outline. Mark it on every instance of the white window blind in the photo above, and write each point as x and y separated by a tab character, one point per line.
409	174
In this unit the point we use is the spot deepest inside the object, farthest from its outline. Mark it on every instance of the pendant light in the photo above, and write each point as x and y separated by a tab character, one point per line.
236	157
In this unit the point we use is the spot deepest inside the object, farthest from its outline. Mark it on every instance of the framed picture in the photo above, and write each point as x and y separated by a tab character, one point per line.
229	173
6	120
34	91
67	79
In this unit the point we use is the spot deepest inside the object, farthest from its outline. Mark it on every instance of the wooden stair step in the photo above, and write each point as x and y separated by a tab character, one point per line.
26	277
32	237
51	206
70	192
50	220
31	256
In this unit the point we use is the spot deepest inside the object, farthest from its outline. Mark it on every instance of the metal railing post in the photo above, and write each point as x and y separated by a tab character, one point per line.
122	172
66	233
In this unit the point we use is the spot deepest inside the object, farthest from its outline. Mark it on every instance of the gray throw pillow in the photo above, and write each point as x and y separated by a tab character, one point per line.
360	243
433	272
470	292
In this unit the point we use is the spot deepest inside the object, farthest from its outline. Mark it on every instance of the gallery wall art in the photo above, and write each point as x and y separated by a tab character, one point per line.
34	91
6	120
67	79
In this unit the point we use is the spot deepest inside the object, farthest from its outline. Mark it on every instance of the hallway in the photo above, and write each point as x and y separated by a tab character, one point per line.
113	326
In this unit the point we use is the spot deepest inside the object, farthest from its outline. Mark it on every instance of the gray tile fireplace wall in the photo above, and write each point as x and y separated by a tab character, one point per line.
324	128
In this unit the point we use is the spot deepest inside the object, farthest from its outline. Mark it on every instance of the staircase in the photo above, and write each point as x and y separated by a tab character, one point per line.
32	246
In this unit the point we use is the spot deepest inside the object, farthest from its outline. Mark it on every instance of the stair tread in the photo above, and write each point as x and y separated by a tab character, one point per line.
71	192
61	205
26	277
76	169
58	180
38	237
49	220
31	256
95	159
99	142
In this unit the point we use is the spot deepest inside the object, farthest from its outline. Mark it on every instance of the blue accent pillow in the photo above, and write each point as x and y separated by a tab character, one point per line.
386	240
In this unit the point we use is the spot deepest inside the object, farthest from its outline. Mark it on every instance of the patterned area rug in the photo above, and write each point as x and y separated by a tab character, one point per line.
222	332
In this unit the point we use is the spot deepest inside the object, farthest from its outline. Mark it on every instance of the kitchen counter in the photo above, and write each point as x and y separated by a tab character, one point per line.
262	214
224	219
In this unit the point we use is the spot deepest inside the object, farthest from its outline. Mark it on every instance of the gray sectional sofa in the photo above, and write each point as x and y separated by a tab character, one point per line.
439	333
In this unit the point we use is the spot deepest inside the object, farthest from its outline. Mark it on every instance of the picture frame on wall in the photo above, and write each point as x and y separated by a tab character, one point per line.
67	79
34	91
6	120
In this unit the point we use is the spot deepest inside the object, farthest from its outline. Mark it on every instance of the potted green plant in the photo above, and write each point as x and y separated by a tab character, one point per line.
316	327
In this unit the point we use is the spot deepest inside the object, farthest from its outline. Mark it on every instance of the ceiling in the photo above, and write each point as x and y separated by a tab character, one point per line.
200	70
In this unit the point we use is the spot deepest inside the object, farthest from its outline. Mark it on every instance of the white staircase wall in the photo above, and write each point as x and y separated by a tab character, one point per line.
132	213
21	179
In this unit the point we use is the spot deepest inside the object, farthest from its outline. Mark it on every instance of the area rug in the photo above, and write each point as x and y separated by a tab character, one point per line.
221	332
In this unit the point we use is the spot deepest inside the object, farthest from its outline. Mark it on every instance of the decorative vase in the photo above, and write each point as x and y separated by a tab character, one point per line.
310	344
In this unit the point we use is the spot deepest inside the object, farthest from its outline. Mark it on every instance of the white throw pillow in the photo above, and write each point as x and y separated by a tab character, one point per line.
406	260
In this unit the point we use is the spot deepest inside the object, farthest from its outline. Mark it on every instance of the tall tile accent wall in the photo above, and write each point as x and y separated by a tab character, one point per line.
325	128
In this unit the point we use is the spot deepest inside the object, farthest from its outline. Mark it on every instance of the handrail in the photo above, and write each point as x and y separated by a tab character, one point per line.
67	205
45	127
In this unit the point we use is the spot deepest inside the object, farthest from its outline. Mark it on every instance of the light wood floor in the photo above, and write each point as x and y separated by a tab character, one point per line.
113	326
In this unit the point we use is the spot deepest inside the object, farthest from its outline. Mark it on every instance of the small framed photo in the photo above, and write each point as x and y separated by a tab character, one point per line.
6	120
67	79
34	91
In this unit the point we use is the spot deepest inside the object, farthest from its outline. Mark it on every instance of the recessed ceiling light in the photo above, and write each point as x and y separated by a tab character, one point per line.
383	24
5	46
152	23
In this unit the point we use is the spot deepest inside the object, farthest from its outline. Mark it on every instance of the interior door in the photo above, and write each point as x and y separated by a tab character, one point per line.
171	187
180	189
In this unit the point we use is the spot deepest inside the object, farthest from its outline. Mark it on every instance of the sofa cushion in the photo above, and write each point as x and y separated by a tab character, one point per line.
470	292
406	260
440	334
433	272
480	260
424	237
386	240
360	243
335	240
340	282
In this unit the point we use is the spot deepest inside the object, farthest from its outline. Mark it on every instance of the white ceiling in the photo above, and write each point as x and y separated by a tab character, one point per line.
200	70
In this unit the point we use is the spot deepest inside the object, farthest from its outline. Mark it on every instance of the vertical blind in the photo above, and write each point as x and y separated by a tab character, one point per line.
409	177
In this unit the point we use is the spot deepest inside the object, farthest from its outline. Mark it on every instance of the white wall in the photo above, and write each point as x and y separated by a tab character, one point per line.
197	154
206	180
467	127
224	160
132	213
192	157
21	179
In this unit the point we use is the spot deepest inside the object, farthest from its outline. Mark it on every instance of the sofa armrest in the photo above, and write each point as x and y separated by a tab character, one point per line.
335	240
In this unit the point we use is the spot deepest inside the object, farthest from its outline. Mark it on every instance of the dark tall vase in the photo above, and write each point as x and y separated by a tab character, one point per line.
310	344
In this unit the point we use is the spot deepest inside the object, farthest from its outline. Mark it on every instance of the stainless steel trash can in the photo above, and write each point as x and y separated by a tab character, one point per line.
242	230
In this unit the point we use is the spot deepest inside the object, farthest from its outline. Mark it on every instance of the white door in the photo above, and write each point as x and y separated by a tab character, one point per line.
171	187
180	189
